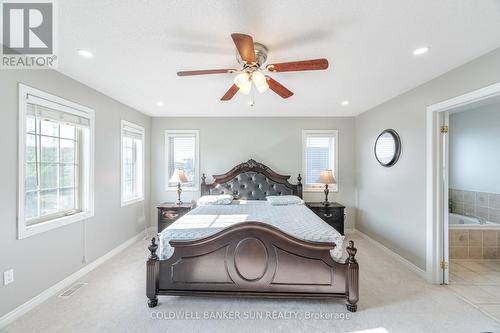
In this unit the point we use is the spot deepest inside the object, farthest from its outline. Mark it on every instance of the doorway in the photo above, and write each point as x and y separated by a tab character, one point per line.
438	203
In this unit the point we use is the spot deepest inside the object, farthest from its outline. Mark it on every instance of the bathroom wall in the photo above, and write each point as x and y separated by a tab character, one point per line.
480	204
474	161
474	142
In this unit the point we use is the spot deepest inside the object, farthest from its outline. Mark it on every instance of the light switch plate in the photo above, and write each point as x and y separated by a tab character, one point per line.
8	277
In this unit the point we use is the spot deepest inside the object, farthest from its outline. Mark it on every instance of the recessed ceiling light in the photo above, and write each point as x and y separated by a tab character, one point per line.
345	103
85	53
421	50
160	103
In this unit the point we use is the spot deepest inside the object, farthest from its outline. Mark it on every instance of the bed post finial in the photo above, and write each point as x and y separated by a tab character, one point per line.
152	248
152	275
203	179
351	250
352	280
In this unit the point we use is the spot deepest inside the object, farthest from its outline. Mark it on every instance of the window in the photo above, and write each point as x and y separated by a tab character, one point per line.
320	152
55	162
132	169
182	153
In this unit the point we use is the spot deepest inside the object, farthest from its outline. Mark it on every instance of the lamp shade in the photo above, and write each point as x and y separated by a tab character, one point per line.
326	177
260	81
178	177
243	82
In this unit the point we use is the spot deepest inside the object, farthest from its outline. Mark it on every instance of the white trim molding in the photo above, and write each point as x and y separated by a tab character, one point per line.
435	209
335	167
27	95
127	126
55	289
196	184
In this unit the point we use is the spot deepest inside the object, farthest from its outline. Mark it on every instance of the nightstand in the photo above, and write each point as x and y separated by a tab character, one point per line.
170	212
332	214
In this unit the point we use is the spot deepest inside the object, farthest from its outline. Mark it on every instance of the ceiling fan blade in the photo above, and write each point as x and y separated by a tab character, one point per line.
206	71
278	87
304	65
230	93
244	44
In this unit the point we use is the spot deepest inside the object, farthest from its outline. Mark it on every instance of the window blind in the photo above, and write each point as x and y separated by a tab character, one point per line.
44	112
319	156
182	154
132	132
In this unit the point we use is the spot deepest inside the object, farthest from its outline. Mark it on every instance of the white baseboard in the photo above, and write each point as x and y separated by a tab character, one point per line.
48	293
349	231
412	267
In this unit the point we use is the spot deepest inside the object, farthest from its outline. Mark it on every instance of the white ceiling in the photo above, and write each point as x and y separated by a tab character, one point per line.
139	45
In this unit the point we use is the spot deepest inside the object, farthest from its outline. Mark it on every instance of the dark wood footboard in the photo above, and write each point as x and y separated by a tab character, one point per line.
252	259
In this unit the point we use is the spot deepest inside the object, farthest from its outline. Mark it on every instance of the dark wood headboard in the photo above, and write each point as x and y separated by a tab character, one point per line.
251	181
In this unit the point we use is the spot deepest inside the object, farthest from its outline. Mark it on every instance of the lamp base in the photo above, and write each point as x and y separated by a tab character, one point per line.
326	202
179	190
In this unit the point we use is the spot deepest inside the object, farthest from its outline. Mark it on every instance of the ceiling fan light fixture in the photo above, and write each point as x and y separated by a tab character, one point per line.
260	81
245	88
241	79
251	56
243	82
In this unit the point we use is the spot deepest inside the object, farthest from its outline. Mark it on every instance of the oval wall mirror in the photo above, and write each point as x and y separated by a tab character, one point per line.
388	148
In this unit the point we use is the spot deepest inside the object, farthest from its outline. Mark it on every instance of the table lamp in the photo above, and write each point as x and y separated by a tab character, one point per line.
178	177
326	177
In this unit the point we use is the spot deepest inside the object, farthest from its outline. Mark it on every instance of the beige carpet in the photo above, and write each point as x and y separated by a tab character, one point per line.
393	299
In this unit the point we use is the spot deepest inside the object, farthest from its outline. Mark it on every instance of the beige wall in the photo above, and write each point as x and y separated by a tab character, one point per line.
42	260
276	142
392	201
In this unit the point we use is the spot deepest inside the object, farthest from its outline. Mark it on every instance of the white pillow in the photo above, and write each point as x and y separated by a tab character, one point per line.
221	199
284	200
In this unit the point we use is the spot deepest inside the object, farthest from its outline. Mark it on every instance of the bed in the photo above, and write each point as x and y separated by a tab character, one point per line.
250	248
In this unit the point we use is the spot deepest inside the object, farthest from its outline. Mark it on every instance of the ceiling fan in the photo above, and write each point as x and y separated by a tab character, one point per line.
252	56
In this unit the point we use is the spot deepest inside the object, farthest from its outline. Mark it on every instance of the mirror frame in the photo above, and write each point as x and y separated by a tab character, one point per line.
397	152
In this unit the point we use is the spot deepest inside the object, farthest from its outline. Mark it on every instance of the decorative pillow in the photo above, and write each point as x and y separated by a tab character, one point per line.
221	199
284	200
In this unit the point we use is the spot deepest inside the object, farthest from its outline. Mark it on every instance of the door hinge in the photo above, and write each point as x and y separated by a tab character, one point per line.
444	129
444	265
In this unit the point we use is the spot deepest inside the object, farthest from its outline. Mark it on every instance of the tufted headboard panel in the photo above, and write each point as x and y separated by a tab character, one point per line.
251	181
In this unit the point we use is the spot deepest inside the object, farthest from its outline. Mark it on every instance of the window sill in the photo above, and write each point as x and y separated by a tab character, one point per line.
131	202
29	231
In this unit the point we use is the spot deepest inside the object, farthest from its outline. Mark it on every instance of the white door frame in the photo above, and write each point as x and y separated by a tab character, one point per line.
435	209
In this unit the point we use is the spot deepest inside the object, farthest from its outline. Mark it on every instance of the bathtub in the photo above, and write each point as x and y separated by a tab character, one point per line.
457	221
468	239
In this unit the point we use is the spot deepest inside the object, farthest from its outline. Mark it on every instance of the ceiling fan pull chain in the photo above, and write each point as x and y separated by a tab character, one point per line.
251	102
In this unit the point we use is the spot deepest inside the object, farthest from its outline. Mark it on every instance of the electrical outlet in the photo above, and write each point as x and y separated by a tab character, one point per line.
8	277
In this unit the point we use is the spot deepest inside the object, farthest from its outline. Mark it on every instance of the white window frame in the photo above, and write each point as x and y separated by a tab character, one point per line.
140	130
321	187
196	183
24	231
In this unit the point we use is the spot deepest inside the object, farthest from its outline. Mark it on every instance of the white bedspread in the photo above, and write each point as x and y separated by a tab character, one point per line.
295	220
